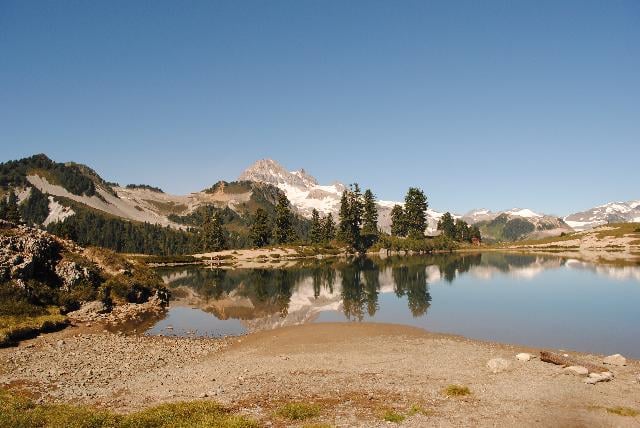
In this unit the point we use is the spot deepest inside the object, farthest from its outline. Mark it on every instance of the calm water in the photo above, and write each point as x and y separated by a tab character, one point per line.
545	302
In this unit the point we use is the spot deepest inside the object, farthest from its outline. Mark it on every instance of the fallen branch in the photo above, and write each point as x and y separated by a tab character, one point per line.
561	360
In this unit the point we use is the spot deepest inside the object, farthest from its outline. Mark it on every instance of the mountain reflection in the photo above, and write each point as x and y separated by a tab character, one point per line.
268	298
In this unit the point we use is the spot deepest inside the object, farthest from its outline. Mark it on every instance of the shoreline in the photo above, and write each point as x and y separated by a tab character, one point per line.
370	365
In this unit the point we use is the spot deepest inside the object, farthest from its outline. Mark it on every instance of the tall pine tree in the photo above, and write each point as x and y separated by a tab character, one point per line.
369	219
12	212
213	237
260	231
328	228
283	226
415	212
398	223
447	225
316	227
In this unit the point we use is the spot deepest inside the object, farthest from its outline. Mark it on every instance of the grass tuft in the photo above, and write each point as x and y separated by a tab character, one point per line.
298	411
456	391
623	411
18	411
393	416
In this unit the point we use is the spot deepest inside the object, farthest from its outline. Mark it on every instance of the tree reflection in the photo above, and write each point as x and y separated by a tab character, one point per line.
411	280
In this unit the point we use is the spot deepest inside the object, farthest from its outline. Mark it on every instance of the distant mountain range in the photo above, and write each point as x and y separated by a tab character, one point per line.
70	187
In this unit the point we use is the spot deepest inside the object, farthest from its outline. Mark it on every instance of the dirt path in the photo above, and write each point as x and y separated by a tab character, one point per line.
355	371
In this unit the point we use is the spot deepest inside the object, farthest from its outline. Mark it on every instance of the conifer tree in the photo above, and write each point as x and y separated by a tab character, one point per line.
475	233
462	231
260	232
283	226
351	209
398	223
12	212
415	212
328	228
447	225
213	238
316	227
3	208
369	218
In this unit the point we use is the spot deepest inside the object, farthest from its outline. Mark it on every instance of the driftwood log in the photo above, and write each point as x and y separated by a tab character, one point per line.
561	360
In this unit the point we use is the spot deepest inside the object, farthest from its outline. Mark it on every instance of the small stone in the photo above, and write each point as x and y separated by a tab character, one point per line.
576	370
615	360
497	365
524	356
60	343
203	395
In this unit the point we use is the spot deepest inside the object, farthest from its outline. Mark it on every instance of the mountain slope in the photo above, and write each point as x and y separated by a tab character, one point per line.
72	199
613	212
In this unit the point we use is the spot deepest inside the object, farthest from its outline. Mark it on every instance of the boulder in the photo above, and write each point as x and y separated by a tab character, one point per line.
497	365
576	370
615	360
598	377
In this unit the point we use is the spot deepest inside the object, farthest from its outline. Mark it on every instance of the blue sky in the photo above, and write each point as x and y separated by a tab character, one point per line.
482	104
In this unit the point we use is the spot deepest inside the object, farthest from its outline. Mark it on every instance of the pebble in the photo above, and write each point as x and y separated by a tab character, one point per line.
615	360
497	365
524	356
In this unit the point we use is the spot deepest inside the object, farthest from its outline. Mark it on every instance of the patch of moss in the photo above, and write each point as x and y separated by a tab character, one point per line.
16	411
456	391
393	416
298	411
623	411
15	328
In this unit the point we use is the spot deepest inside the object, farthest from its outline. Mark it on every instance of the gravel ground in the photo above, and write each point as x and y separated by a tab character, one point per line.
354	371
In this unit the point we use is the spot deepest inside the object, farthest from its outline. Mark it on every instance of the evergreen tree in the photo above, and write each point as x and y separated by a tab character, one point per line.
415	212
260	232
369	219
475	233
283	228
213	238
3	208
398	223
447	226
12	212
316	227
343	216
351	209
328	228
462	231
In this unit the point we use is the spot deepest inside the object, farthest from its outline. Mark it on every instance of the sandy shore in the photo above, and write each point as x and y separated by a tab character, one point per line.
355	371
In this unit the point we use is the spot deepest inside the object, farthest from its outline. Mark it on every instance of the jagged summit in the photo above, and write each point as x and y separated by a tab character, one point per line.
270	171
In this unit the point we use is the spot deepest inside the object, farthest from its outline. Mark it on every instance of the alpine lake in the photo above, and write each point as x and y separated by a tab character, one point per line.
538	301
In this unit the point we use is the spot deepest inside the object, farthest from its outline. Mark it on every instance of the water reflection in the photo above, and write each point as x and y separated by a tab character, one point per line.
475	296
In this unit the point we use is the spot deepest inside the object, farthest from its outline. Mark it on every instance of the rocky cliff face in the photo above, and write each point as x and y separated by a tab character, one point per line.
39	270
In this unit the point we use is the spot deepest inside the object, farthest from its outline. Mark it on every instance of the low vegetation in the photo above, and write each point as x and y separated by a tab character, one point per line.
14	328
623	411
456	391
16	411
391	415
299	411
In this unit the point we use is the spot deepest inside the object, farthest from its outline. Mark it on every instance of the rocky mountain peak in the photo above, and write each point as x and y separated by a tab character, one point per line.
270	171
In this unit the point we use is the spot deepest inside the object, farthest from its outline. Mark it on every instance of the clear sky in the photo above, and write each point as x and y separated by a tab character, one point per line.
482	104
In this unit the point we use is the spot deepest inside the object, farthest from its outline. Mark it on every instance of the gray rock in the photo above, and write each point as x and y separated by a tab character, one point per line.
598	377
576	370
497	365
615	360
